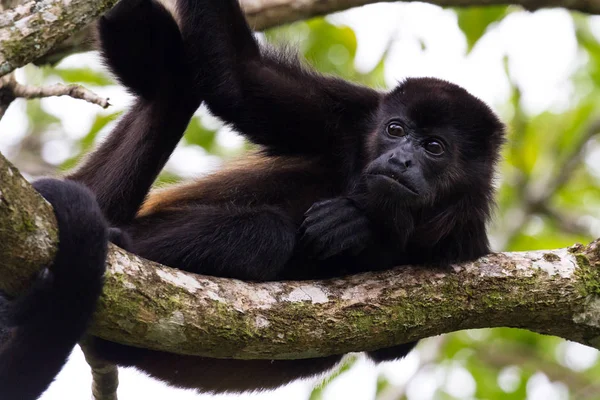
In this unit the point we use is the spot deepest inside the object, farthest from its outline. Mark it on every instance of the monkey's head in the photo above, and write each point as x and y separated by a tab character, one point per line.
432	141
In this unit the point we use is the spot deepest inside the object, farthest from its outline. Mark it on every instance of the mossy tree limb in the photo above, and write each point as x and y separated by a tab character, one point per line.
30	30
148	305
28	233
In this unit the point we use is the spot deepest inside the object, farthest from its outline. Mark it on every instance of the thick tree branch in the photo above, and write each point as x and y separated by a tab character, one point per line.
28	233
148	305
29	30
33	29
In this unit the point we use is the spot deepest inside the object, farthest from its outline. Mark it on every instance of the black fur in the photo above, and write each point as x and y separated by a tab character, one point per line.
39	329
335	189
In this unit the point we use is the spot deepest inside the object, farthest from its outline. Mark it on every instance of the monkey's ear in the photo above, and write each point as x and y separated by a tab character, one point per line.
141	44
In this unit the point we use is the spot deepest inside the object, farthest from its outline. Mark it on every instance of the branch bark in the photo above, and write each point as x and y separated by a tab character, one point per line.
10	90
148	305
37	30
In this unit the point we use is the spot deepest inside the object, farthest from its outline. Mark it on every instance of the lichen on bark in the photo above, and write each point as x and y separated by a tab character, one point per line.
31	29
28	234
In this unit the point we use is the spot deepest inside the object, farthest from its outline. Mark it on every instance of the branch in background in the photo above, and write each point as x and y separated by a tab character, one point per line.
504	356
105	376
566	169
538	202
576	157
31	30
148	305
566	223
10	89
535	197
74	91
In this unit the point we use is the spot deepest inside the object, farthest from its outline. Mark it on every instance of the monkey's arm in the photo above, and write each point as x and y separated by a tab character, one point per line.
267	96
142	45
123	169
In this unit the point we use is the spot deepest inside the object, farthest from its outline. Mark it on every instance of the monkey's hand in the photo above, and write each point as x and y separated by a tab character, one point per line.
141	43
335	226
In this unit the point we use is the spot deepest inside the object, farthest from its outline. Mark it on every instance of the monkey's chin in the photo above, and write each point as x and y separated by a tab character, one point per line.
380	183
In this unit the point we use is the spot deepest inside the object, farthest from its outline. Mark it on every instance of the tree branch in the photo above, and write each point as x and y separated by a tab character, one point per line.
149	305
31	30
10	90
74	91
105	376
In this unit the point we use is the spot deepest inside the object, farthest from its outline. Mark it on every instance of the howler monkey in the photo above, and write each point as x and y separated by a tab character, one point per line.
39	329
347	178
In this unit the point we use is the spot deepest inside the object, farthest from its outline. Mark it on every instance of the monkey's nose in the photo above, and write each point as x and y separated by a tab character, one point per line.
400	161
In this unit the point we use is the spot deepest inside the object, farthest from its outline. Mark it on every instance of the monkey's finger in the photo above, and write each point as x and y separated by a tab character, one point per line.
355	244
335	241
330	222
326	206
332	216
324	231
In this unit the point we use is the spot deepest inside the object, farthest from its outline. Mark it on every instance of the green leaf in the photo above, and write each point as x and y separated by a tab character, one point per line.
329	48
474	21
84	76
39	119
87	142
197	134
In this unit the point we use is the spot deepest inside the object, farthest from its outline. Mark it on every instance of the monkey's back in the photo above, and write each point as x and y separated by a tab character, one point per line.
290	183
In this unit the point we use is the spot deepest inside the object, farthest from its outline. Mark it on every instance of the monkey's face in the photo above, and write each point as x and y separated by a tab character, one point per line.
408	164
432	141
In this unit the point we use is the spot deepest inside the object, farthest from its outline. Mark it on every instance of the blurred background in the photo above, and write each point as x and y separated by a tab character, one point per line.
540	71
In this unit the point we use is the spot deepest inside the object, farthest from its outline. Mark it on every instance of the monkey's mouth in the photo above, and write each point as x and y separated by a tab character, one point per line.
394	181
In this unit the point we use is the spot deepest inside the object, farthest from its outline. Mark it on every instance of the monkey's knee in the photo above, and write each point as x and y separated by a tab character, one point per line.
266	243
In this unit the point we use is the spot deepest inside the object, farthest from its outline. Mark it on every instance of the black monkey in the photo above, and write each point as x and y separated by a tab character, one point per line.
348	179
39	329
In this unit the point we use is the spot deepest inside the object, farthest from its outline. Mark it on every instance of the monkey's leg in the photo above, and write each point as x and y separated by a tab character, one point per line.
248	243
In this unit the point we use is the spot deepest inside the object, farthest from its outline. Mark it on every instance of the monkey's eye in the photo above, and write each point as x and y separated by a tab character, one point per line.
434	147
395	129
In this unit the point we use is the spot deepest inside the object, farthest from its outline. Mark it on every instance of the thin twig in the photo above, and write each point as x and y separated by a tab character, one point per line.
75	91
535	200
567	223
566	169
10	89
105	376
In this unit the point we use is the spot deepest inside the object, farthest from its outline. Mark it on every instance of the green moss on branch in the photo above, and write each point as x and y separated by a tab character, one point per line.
148	305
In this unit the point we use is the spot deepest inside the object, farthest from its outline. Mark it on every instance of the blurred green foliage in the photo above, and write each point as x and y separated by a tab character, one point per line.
474	21
547	195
